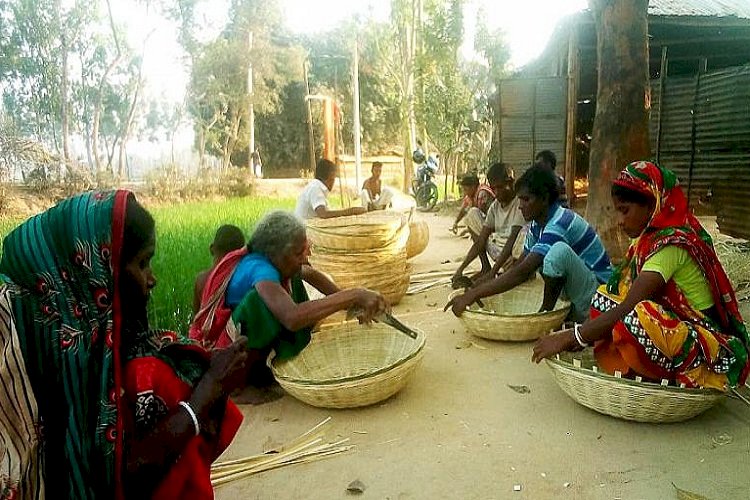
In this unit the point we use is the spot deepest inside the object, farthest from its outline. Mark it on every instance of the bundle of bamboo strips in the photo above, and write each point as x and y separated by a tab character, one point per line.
308	447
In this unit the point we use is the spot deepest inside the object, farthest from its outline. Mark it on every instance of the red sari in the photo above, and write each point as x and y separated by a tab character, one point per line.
154	385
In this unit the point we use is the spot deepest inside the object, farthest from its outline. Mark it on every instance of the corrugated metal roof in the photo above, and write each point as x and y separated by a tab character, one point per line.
717	159
700	8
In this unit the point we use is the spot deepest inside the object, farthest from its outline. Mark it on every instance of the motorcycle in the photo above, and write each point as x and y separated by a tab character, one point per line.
425	191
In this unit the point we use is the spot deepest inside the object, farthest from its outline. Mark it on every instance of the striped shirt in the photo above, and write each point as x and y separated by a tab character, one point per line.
564	225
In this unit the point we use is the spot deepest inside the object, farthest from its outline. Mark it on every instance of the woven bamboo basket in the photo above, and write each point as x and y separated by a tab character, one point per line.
512	316
360	263
358	232
419	236
395	292
579	377
351	365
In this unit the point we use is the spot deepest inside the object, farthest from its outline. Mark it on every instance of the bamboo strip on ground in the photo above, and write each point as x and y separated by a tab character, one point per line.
308	447
423	287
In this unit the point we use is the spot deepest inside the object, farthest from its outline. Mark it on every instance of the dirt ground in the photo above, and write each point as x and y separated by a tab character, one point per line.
458	431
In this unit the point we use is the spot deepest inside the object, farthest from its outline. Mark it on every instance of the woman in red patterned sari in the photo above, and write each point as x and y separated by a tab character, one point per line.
669	312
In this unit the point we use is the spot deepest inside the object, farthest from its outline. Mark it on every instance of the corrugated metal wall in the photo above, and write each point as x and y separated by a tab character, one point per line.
705	139
532	118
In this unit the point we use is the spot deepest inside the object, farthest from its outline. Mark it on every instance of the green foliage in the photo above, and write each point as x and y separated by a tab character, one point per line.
492	45
55	60
218	97
331	56
412	80
281	133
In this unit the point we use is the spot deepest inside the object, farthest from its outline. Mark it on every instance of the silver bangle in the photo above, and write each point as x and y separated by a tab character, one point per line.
193	416
578	336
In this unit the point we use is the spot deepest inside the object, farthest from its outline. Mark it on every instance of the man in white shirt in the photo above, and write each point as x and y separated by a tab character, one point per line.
499	238
313	201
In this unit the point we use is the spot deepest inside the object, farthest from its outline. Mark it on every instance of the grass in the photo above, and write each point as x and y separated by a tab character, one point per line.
183	235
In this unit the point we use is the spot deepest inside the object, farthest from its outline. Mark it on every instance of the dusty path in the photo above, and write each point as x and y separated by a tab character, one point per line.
458	431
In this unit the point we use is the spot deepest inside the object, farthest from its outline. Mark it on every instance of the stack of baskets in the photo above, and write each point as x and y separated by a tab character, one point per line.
351	365
578	375
363	251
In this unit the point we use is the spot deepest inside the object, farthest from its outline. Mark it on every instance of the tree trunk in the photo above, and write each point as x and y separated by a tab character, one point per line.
231	141
620	133
100	97
126	130
111	154
64	106
408	164
202	132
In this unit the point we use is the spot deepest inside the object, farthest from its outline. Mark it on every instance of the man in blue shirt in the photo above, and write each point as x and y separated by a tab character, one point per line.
559	243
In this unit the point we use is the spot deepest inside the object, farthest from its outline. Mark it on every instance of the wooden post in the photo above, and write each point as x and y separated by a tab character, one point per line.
572	117
355	113
500	121
662	83
310	133
251	108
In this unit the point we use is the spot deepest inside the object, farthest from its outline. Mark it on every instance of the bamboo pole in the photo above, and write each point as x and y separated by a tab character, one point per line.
572	118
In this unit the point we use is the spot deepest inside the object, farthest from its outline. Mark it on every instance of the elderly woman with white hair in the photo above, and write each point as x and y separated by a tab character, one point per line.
258	291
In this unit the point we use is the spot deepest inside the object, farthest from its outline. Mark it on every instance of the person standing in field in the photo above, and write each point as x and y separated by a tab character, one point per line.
313	201
374	195
227	239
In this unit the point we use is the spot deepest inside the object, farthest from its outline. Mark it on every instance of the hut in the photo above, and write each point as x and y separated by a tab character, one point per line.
699	63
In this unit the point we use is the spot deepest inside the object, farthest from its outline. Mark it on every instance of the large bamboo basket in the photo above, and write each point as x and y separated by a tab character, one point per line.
358	232
512	316
351	365
396	291
360	263
579	377
419	236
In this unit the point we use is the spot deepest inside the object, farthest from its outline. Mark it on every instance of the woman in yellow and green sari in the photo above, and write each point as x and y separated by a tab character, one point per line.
669	312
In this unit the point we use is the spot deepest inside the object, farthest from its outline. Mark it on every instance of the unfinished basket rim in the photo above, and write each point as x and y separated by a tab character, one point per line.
420	342
620	381
380	218
578	375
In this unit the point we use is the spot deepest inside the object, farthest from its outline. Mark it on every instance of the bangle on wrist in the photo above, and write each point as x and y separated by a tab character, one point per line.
578	336
193	416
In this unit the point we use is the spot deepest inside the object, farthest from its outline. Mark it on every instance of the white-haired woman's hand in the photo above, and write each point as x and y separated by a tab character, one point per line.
371	303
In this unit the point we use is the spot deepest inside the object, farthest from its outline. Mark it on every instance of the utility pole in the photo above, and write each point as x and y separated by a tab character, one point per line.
310	134
357	132
251	110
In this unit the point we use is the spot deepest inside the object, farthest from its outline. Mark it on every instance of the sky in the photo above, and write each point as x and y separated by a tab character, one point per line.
527	24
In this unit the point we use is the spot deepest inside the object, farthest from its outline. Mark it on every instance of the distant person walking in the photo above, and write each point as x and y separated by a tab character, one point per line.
257	163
